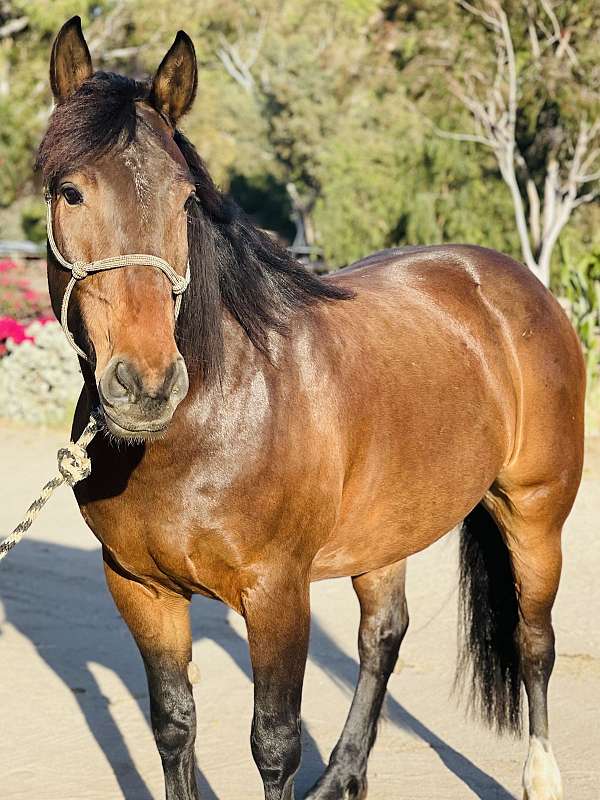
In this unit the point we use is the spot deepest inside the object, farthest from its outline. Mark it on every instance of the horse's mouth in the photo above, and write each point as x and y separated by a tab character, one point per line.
131	410
142	431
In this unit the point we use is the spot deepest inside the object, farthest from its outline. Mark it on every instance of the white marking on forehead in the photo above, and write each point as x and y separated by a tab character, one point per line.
132	158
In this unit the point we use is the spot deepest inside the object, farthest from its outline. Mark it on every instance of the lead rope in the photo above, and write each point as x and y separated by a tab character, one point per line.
73	466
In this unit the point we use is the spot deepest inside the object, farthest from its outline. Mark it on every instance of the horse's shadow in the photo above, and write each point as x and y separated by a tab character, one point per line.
69	617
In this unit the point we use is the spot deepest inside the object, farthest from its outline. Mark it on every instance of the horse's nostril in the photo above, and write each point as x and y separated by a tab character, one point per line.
176	381
123	377
119	384
181	383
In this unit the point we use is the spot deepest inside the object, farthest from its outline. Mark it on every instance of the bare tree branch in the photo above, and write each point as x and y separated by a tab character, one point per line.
118	53
535	229
235	65
477	12
13	26
493	102
560	37
457	136
239	67
586	198
589	178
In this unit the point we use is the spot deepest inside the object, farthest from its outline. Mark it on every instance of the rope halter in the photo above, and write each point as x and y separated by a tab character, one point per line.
80	270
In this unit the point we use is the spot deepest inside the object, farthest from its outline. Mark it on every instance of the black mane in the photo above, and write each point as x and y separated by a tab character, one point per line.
234	265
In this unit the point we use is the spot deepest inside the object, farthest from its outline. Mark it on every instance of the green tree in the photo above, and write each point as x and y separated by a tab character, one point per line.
526	73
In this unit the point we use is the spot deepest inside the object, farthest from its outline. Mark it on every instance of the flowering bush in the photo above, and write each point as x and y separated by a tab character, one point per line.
13	330
39	374
18	298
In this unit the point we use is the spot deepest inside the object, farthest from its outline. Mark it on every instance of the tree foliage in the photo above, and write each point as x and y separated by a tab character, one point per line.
326	115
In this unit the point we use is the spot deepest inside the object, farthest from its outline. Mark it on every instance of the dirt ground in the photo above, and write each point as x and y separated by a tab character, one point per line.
73	703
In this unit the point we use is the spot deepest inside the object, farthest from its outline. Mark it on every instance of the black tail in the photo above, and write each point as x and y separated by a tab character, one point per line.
488	613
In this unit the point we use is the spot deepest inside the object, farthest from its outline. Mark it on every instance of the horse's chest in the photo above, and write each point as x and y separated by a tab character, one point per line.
181	533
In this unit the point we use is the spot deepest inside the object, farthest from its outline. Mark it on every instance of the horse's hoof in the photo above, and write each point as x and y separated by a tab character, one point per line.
541	776
333	788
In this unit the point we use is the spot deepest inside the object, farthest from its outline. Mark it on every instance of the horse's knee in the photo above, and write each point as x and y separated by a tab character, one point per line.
276	747
174	726
536	640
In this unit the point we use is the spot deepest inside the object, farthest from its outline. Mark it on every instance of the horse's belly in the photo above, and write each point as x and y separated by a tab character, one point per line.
405	513
344	556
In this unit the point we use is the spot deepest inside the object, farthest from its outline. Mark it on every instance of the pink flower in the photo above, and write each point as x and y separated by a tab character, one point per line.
7	265
11	329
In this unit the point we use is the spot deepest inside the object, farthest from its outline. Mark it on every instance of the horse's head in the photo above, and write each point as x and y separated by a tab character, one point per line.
118	184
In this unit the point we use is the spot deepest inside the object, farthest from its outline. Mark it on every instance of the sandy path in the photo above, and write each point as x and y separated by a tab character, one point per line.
73	716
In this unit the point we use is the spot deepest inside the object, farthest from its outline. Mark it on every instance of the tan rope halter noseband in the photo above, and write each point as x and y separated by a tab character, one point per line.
80	270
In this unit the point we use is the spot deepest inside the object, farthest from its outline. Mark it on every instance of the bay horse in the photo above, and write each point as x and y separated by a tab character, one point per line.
287	428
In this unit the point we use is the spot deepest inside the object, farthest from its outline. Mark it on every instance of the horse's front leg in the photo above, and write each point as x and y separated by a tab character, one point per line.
277	615
160	626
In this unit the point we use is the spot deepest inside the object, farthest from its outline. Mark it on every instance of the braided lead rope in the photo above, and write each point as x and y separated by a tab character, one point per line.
73	466
80	270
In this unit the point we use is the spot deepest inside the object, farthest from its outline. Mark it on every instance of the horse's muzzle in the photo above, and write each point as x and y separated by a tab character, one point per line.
137	406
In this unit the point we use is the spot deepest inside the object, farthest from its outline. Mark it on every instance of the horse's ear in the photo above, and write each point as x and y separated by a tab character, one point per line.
175	82
70	62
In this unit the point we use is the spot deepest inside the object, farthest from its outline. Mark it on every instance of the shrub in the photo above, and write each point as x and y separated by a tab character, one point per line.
13	330
18	298
39	376
581	288
33	221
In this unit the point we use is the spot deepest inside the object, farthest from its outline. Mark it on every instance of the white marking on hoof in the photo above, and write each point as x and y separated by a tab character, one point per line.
541	777
193	672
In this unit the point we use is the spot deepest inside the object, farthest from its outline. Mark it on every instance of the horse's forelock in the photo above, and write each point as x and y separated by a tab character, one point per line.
99	117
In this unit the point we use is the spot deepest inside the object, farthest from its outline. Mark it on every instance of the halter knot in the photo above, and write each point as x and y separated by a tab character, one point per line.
79	270
74	463
180	284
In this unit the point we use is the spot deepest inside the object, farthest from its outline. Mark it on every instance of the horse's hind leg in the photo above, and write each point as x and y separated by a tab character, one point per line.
532	528
383	623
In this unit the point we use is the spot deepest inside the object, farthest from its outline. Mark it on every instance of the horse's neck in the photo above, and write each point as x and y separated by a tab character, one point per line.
241	362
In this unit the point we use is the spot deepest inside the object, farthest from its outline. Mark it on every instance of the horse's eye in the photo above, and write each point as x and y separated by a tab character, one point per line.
71	195
192	198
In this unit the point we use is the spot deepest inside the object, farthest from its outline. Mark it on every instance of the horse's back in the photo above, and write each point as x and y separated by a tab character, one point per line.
435	269
477	283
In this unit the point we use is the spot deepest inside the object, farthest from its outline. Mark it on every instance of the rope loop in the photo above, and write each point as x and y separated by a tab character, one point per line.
79	270
74	463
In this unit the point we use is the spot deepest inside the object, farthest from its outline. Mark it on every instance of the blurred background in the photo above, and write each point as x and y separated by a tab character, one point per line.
344	127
